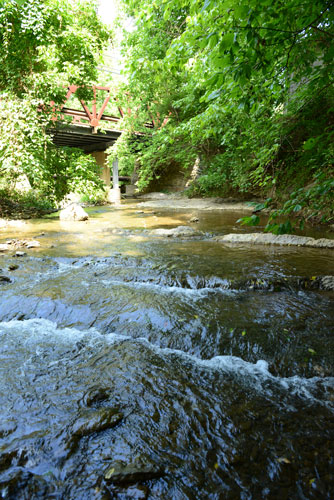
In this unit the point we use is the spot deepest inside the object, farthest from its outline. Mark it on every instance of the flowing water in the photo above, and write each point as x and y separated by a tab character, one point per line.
138	367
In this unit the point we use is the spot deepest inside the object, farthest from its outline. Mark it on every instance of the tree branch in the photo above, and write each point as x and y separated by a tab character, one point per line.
297	32
322	31
256	28
289	52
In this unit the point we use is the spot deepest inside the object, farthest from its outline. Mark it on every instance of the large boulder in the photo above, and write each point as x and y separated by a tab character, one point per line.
73	212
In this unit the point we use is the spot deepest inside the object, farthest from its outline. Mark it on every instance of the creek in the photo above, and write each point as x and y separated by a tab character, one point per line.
140	367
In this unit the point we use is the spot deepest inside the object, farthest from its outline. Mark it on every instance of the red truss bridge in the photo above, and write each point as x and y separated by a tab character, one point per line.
82	129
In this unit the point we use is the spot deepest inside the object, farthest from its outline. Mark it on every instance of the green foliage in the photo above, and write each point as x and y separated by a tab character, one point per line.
124	150
18	204
55	37
246	86
27	149
69	170
95	197
315	202
252	220
44	47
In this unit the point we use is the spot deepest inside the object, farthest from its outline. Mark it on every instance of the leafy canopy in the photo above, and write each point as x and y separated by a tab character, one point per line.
247	87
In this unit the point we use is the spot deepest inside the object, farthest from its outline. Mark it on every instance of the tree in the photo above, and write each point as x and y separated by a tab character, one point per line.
47	43
44	46
242	83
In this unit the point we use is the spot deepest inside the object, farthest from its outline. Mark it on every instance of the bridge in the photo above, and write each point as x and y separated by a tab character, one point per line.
81	128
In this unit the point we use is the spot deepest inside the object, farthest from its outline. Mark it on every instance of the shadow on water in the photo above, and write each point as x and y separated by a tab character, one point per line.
141	367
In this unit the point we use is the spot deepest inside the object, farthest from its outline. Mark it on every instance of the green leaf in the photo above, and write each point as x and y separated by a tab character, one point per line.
226	41
253	220
213	95
309	144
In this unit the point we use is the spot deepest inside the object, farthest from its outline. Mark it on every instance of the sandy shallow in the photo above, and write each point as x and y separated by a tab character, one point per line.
177	201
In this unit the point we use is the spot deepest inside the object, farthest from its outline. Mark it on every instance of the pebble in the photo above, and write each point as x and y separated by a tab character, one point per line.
13	267
5	279
33	244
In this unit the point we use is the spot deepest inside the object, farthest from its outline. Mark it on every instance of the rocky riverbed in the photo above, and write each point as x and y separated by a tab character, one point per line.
136	364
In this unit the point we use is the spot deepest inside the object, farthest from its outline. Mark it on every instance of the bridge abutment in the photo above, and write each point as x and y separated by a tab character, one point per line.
101	160
114	193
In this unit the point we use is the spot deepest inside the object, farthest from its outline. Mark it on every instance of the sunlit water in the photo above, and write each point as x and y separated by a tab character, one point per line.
139	367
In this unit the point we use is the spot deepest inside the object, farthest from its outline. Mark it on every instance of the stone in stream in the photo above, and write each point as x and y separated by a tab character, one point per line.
19	254
120	473
13	267
326	282
96	421
176	232
289	283
5	279
15	243
33	244
88	422
4	247
73	212
272	239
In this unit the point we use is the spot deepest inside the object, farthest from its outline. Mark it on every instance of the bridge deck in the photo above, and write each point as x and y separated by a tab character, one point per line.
83	137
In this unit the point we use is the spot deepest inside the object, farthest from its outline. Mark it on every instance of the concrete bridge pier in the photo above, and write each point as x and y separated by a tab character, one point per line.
114	195
101	160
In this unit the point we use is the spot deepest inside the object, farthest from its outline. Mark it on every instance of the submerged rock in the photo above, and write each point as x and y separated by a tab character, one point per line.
5	279
120	473
19	254
13	267
73	212
89	422
176	232
326	282
289	283
272	239
96	421
194	219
